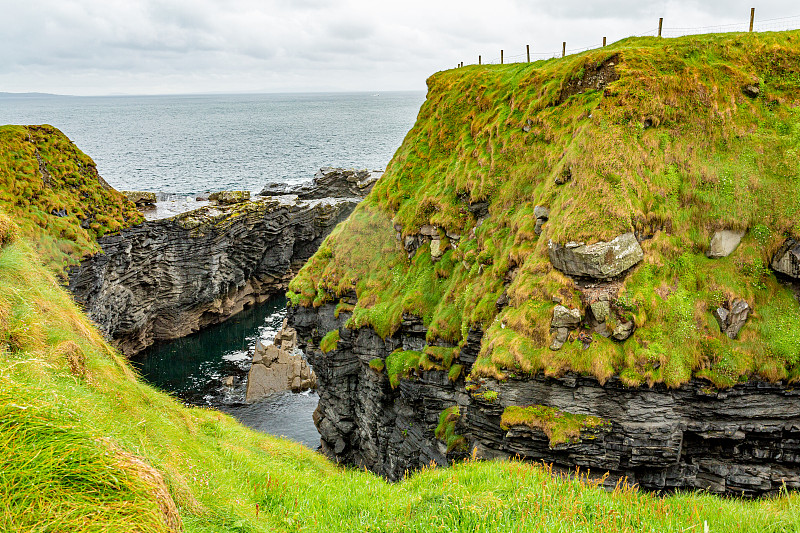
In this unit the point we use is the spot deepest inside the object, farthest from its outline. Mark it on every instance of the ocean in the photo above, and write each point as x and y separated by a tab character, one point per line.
197	143
185	145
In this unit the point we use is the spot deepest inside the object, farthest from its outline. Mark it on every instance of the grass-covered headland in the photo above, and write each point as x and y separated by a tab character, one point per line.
86	446
670	140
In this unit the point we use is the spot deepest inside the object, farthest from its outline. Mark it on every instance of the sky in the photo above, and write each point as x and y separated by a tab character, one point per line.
102	47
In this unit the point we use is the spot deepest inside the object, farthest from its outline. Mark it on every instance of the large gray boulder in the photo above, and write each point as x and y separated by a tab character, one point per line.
723	243
601	260
787	260
731	320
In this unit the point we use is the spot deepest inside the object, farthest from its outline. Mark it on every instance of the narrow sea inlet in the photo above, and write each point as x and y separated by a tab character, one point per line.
209	368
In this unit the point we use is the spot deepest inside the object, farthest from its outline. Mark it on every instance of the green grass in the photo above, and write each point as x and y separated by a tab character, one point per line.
446	430
86	446
559	426
713	158
42	173
329	341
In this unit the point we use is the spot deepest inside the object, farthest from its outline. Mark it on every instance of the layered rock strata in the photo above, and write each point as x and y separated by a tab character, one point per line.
165	279
744	440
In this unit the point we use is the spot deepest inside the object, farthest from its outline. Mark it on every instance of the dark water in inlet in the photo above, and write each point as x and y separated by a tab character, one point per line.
195	369
191	144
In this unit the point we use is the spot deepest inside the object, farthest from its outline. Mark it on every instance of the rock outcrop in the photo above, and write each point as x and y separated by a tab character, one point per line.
601	260
142	199
723	243
165	279
278	367
787	259
329	182
744	440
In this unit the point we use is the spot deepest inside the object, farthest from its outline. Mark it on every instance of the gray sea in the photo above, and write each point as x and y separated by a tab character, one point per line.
197	143
184	145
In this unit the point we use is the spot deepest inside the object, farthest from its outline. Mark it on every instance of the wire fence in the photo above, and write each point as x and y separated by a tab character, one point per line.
777	24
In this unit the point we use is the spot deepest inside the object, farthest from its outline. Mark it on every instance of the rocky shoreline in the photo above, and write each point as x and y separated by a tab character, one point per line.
164	279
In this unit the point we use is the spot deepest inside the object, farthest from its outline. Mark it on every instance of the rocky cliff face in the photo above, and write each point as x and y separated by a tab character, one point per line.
165	279
744	440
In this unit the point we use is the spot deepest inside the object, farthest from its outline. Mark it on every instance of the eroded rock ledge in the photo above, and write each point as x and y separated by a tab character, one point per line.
745	440
165	279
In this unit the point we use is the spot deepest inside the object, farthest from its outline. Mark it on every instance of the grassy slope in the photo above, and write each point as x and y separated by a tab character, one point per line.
710	158
42	173
78	429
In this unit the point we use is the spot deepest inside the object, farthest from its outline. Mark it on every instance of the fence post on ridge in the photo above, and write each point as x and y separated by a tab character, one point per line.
528	49
479	59
604	41
501	57
660	23
563	48
752	16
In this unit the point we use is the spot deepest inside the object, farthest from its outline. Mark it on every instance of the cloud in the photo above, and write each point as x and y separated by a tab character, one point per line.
153	46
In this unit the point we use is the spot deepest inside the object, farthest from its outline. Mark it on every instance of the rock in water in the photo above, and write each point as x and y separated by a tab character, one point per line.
229	197
601	260
329	182
787	260
723	243
276	369
141	198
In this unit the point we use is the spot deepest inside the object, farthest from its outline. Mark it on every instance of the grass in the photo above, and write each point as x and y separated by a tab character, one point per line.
446	430
86	446
673	149
329	341
559	426
55	195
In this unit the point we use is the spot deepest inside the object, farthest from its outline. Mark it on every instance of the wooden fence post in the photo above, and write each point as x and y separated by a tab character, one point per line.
501	57
528	49
752	16
563	48
604	41
660	23
479	59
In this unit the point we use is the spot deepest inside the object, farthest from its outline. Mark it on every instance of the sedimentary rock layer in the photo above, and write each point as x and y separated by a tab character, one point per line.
744	440
165	279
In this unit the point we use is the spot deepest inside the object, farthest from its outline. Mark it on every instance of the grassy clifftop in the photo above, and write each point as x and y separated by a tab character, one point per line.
54	193
668	139
85	446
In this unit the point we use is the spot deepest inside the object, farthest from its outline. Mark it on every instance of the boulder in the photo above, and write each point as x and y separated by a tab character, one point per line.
601	260
141	198
275	369
623	330
787	259
732	319
723	243
561	337
601	310
565	318
229	197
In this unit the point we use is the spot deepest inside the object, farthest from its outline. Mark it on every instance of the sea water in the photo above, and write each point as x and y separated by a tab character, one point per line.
186	145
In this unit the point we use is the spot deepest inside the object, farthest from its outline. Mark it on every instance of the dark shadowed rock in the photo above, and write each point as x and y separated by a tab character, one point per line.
601	260
787	259
329	182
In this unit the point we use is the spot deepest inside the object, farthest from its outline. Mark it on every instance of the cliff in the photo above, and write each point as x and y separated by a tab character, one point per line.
588	260
165	279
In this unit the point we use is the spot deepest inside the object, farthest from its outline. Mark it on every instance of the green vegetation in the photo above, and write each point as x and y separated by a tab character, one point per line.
673	148
85	446
446	430
377	364
329	341
55	195
560	427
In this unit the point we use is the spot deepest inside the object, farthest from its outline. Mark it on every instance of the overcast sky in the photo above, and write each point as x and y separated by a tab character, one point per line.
95	47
